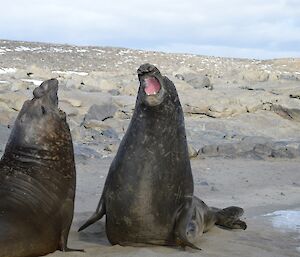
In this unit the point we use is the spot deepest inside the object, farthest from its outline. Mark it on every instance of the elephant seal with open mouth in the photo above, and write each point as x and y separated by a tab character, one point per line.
148	195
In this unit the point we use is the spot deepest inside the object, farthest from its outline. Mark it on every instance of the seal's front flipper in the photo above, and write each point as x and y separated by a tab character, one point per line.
186	227
63	247
100	211
229	218
67	216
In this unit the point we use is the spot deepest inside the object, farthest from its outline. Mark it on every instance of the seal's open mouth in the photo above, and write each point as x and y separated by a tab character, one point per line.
152	86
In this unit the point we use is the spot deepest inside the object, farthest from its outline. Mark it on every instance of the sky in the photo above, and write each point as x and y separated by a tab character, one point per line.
261	29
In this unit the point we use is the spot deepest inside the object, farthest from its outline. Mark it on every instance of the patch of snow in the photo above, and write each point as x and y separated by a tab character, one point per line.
7	70
80	73
61	50
3	82
34	81
22	48
81	50
122	52
27	49
99	50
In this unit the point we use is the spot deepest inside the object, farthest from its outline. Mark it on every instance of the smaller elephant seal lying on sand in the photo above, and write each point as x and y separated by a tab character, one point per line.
37	179
148	194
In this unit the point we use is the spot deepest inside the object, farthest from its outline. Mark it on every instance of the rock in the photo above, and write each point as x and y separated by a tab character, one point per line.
285	150
122	115
20	85
192	151
256	140
74	102
125	104
253	147
95	85
3	106
114	92
73	84
289	77
179	76
130	89
263	149
120	126
86	136
100	112
68	109
83	152
110	133
209	150
182	85
95	124
87	99
111	148
198	81
255	76
295	95
287	113
204	183
7	117
13	101
214	189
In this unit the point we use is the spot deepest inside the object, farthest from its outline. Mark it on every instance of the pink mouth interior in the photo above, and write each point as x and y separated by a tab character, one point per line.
152	86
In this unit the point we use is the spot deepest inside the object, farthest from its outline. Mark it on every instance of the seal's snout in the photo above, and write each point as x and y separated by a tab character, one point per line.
47	89
45	100
146	68
151	84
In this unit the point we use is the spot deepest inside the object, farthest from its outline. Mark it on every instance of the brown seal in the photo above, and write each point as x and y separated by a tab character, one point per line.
37	179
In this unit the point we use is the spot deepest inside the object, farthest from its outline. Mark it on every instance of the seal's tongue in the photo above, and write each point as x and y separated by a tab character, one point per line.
152	86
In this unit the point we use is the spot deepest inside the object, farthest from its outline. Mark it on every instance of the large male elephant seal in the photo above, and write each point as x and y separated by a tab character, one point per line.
148	194
37	179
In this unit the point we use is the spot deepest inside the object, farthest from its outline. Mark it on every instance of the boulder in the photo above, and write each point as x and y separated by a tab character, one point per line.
100	112
198	81
255	75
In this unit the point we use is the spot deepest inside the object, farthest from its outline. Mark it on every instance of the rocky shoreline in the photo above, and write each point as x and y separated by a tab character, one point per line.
234	108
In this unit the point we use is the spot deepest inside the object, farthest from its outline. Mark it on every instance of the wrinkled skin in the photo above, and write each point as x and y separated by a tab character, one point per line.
37	179
148	194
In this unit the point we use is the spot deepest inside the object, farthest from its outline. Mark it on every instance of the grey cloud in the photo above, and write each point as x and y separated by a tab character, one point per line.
267	28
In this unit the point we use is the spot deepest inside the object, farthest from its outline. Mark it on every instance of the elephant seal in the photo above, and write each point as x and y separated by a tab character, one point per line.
37	179
148	194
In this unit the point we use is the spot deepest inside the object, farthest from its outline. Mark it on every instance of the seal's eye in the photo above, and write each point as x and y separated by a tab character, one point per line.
152	86
43	109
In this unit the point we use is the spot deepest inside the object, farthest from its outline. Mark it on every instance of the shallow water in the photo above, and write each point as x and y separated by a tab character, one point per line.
285	220
287	223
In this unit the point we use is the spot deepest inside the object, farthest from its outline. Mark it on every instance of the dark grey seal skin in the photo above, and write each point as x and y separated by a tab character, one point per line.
148	194
37	179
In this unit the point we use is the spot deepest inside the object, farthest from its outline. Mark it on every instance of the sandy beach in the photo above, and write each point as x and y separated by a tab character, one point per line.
267	190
